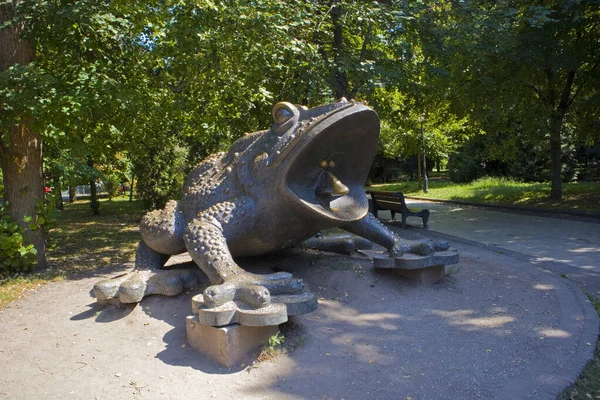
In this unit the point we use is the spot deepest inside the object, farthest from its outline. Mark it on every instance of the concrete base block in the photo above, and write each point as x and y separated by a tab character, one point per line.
229	344
427	276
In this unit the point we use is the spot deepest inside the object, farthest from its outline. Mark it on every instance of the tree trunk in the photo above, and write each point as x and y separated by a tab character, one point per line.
24	182
131	188
419	171
21	152
555	157
72	194
342	88
94	203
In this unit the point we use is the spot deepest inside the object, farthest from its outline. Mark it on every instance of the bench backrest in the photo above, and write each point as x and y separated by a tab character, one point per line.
388	197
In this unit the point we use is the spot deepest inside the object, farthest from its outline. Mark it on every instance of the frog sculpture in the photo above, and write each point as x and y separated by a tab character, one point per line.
273	189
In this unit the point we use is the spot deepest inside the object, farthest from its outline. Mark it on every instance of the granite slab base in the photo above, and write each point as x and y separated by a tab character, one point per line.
426	276
227	345
237	312
427	270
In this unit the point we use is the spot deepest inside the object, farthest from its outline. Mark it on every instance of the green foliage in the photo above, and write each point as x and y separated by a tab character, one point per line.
111	185
15	255
463	167
160	174
46	213
484	53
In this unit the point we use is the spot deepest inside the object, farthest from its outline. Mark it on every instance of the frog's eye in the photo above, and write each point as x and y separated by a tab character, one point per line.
282	112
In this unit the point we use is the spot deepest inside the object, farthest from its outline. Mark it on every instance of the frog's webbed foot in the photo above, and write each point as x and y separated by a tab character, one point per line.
236	292
372	229
146	279
252	289
419	247
403	254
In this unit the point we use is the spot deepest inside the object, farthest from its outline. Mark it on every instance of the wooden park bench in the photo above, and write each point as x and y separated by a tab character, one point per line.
394	201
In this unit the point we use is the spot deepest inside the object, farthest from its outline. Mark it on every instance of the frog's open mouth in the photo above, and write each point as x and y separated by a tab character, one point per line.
332	162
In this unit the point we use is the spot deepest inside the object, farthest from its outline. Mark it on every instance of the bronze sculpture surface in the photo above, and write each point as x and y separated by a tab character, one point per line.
273	189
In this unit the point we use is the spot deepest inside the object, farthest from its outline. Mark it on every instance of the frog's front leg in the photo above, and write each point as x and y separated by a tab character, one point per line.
207	246
371	228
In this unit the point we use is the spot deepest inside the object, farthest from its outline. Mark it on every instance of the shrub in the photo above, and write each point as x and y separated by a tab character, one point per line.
160	175
463	168
111	185
15	255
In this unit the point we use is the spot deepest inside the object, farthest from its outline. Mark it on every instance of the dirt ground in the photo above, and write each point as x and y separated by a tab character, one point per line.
496	328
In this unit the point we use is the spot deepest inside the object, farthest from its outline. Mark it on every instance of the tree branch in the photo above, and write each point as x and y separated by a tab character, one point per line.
361	58
572	99
563	105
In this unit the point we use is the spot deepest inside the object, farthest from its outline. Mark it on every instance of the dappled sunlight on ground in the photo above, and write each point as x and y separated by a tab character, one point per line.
552	333
462	318
540	286
585	250
356	318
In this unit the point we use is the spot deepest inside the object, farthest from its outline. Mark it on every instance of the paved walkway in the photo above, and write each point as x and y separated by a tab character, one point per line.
569	247
498	328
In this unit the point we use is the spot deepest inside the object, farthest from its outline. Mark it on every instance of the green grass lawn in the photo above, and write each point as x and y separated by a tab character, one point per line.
577	196
83	242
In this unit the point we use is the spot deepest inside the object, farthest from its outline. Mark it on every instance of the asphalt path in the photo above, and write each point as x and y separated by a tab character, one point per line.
568	246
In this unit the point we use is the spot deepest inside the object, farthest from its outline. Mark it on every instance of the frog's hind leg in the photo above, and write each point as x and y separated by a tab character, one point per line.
372	229
336	243
162	236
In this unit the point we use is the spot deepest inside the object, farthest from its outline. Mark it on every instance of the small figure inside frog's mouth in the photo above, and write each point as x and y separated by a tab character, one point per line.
332	163
329	186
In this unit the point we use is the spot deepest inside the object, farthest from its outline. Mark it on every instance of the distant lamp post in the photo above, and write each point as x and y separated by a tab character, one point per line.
426	182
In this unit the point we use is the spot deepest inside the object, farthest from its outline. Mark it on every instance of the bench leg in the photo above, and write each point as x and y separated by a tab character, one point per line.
404	220
425	218
393	215
375	210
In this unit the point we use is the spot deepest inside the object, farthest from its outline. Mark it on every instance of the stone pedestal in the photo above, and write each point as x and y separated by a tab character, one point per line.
428	269
227	345
427	275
